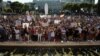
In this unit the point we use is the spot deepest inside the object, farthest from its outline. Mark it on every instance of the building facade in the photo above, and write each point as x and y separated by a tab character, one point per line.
79	1
53	5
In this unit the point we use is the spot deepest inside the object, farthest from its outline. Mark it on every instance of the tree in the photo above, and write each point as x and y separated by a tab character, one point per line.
88	7
98	7
83	5
33	6
16	7
71	7
0	1
0	5
67	6
25	8
75	7
7	10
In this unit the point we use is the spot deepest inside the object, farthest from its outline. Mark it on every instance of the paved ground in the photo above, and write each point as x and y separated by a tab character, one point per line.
48	44
17	49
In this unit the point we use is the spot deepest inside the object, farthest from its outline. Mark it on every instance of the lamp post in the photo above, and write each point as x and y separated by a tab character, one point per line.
36	10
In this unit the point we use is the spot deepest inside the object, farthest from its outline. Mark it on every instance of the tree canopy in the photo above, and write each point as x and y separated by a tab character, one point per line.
16	6
74	7
98	7
0	1
19	7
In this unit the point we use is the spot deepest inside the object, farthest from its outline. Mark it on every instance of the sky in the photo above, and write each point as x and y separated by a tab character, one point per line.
96	1
24	1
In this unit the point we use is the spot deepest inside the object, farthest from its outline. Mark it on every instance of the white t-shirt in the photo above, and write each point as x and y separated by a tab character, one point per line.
45	24
17	31
63	31
18	22
53	34
73	24
29	18
80	30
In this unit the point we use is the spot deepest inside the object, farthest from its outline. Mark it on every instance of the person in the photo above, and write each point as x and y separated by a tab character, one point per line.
13	34
49	35
40	34
32	33
26	33
45	35
70	34
58	34
63	34
98	34
80	31
2	34
84	34
76	35
52	35
17	33
22	33
8	33
92	34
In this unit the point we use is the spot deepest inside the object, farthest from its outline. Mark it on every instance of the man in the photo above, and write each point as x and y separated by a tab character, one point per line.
63	34
2	34
53	35
17	33
98	35
40	34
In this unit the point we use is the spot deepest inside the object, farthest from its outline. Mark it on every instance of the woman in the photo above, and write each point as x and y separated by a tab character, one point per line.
98	35
92	34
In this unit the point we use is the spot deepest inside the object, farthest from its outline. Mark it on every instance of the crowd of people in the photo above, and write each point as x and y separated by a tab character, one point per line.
93	51
54	28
